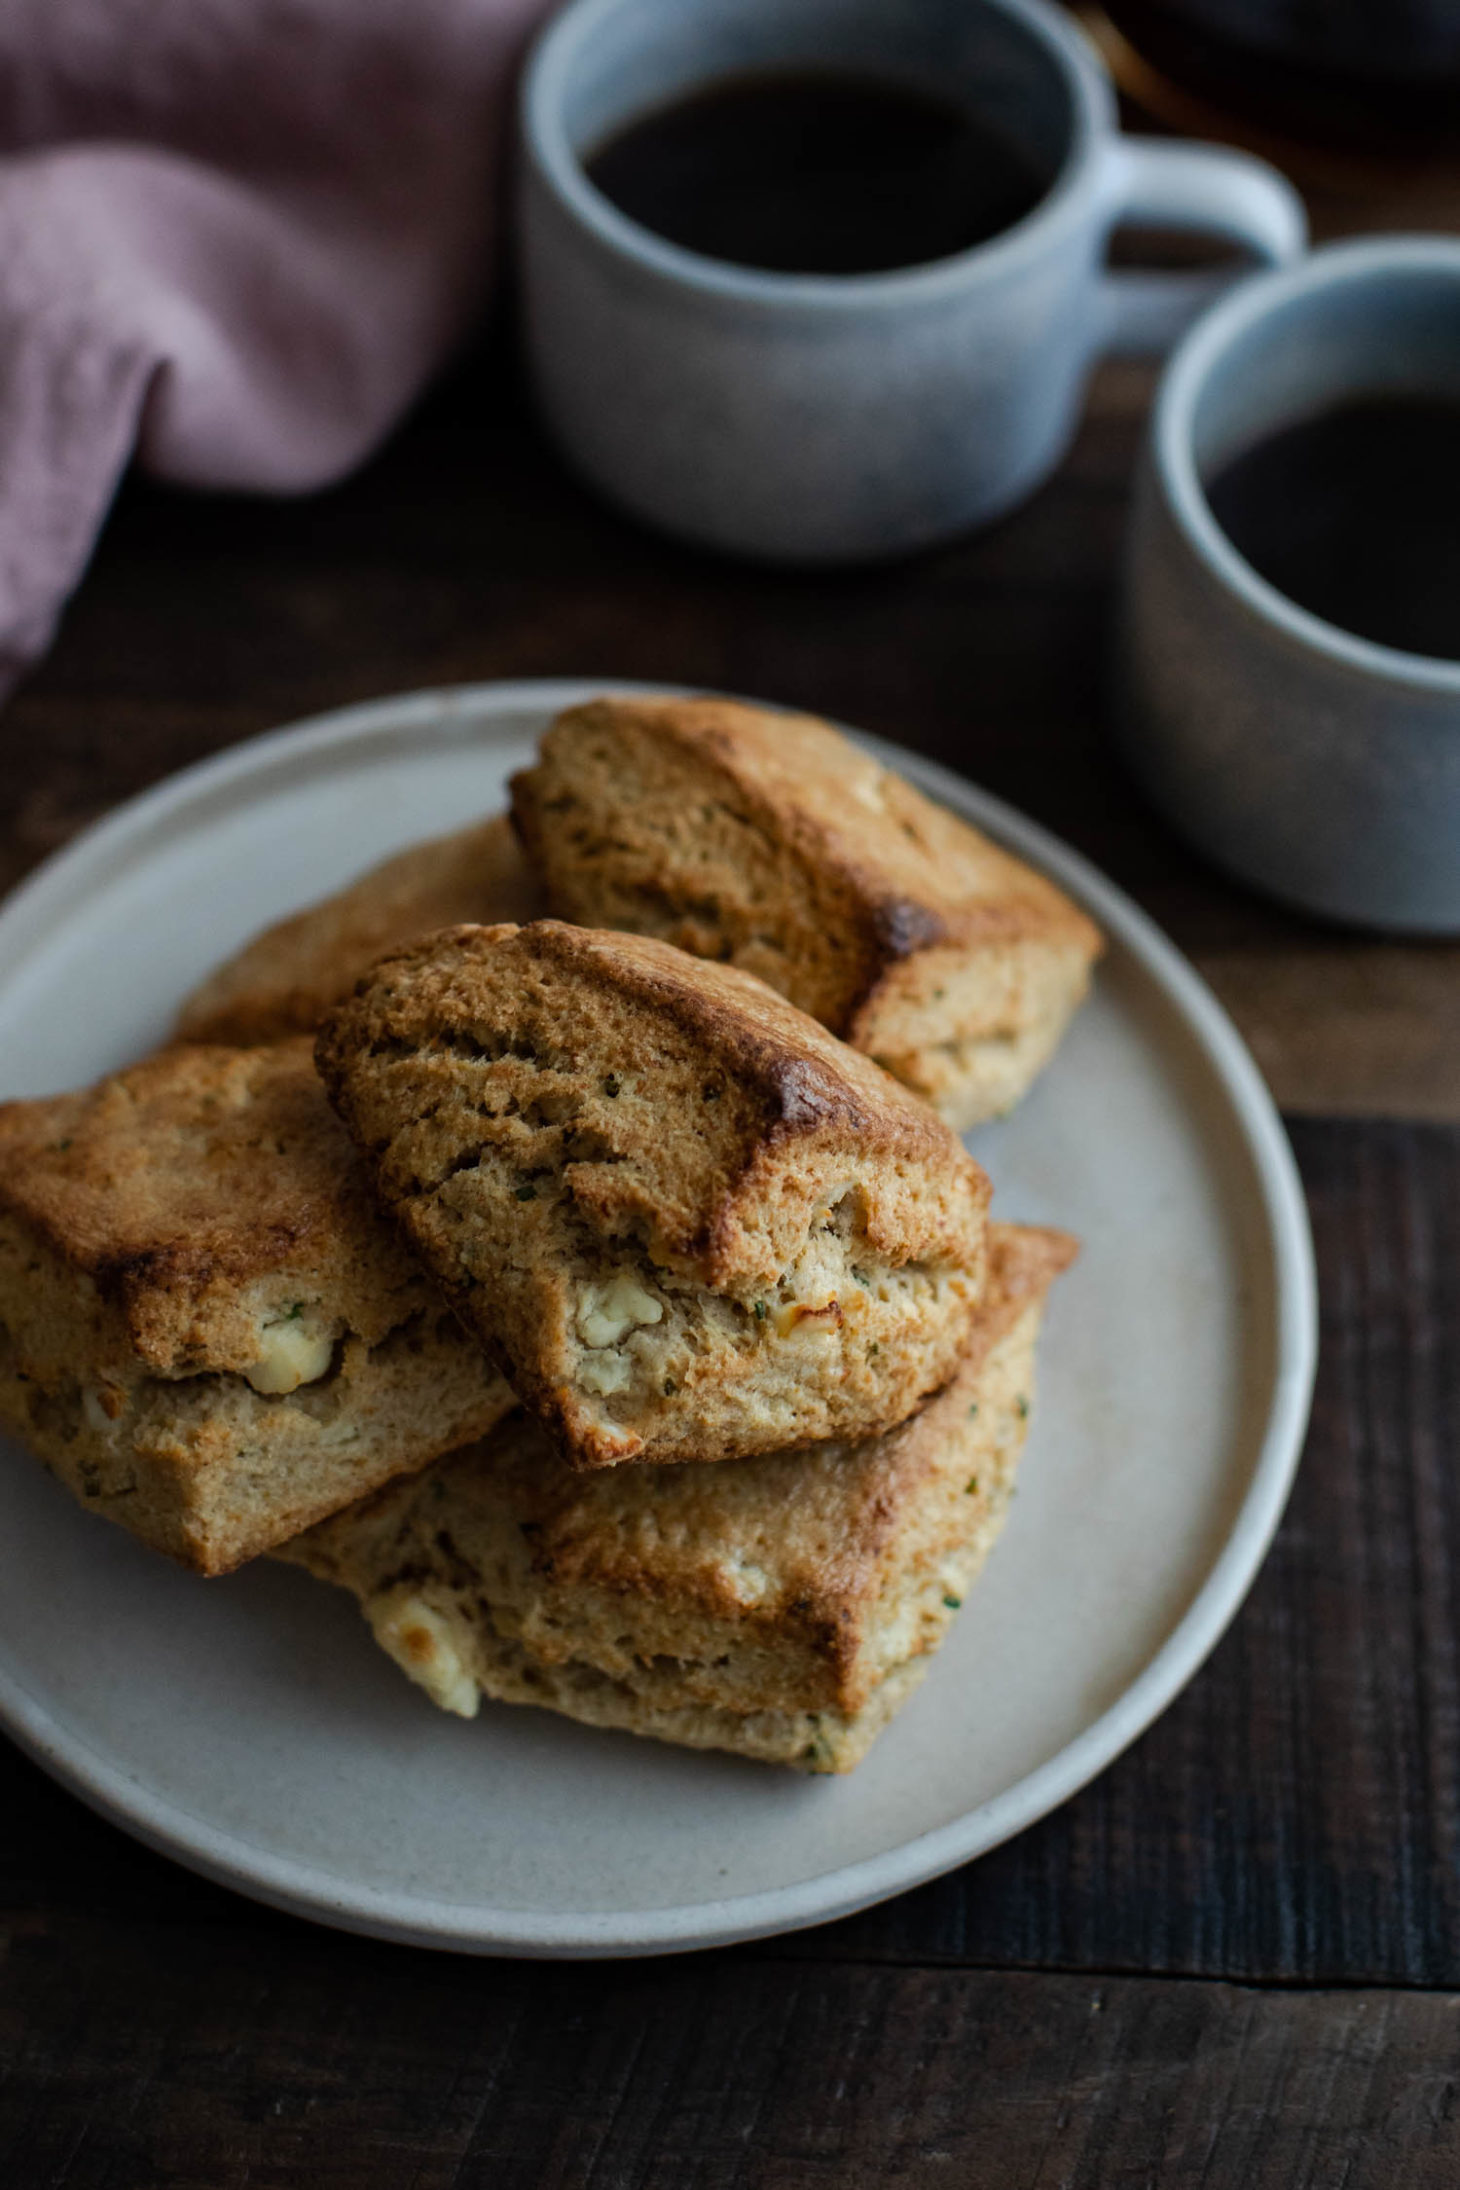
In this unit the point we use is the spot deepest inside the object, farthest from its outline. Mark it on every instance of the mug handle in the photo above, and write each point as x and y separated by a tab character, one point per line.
1204	188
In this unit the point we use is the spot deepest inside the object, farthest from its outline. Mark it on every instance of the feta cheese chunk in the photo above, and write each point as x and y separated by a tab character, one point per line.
607	1313
422	1644
604	1373
291	1353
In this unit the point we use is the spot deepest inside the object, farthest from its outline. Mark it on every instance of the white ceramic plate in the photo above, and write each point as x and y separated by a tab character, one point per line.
251	1728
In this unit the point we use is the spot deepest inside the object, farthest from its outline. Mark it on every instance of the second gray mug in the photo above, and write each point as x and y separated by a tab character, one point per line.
836	418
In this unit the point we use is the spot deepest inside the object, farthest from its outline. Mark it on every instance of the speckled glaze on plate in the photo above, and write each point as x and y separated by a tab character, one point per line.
251	1729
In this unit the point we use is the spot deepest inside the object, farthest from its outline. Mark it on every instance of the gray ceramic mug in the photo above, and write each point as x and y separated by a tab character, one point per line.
1313	763
834	418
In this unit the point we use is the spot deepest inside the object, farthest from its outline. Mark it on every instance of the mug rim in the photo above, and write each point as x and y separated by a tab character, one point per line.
1193	363
545	140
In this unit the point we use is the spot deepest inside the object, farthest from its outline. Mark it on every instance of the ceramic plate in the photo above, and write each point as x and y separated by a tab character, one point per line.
249	1726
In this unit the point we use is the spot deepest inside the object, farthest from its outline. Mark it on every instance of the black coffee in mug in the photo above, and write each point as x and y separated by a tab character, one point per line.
1355	515
818	172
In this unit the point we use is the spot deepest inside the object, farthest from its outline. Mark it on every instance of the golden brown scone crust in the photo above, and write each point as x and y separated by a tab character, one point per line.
780	1607
287	979
771	841
690	1223
206	1328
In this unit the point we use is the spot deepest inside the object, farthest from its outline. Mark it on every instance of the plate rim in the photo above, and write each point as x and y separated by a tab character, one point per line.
304	1889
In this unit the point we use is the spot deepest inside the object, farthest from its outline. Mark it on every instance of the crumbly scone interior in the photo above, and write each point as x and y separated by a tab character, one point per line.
458	1663
504	1203
708	1646
197	1454
286	1334
636	1332
971	1040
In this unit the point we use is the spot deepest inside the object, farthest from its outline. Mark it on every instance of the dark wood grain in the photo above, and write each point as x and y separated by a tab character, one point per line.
342	2064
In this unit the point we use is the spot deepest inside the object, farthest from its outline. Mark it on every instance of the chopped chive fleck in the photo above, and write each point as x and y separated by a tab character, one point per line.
938	995
973	1410
62	1146
972	1490
760	1311
1023	1405
817	1752
873	1350
294	1311
952	1603
527	1193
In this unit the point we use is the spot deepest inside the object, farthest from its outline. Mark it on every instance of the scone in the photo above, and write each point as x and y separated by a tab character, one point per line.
290	976
782	1607
207	1331
771	842
688	1223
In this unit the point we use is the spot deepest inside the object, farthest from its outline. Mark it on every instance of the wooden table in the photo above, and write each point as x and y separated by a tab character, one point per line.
1233	1960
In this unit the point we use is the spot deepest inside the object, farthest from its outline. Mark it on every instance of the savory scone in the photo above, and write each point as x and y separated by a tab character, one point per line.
286	979
781	1607
207	1330
770	841
687	1222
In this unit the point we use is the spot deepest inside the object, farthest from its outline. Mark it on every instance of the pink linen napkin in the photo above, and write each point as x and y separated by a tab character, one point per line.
235	238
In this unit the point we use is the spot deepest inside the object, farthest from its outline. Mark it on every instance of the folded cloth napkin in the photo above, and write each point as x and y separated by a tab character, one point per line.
235	237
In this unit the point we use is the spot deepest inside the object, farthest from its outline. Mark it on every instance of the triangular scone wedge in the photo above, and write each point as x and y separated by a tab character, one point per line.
687	1221
781	1608
286	979
208	1331
770	841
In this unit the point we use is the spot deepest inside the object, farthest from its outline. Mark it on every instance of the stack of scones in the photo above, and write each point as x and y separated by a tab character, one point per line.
561	1239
